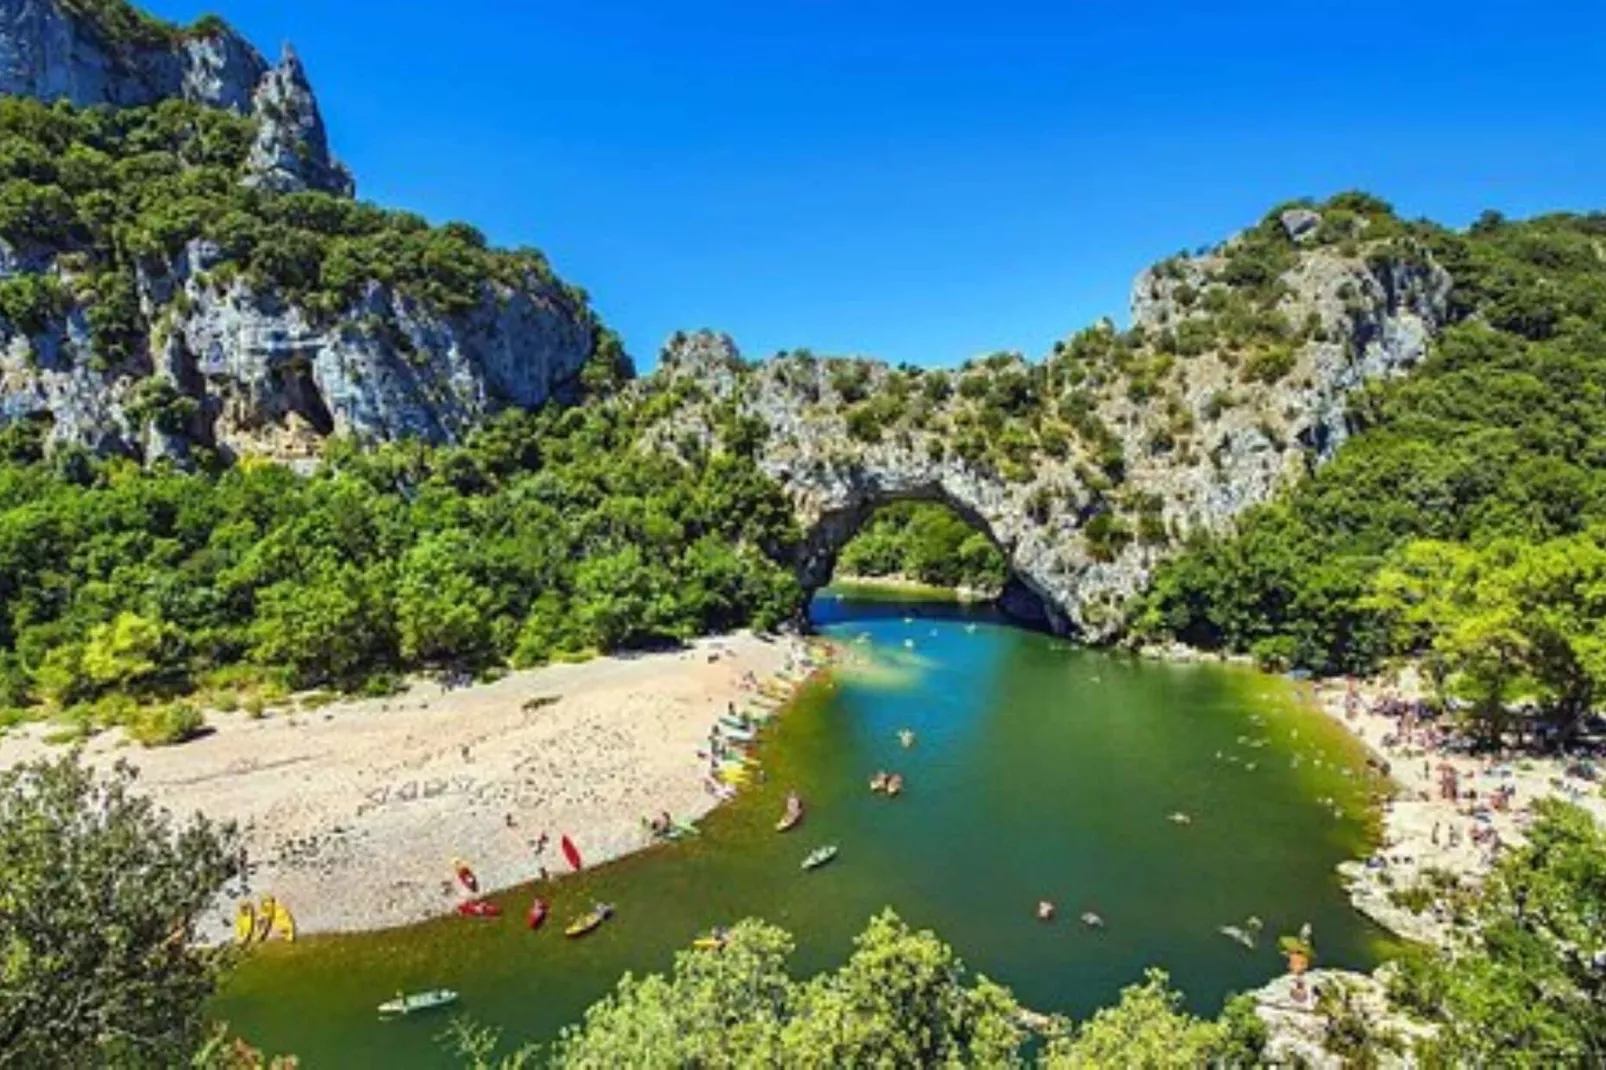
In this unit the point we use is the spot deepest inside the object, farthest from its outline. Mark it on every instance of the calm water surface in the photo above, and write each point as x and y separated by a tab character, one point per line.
1040	771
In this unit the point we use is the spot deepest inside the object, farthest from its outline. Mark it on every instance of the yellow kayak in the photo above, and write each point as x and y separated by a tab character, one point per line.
284	923
245	922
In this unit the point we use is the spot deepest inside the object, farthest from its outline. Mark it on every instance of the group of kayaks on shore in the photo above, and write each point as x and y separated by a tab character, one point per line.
731	765
254	923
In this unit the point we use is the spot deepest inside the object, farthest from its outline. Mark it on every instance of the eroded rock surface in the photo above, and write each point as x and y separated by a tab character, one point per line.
1034	455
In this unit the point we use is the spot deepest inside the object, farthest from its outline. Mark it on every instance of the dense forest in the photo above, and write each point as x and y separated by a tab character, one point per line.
1496	444
925	542
545	535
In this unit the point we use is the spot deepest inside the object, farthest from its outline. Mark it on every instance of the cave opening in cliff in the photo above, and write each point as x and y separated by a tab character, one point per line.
917	549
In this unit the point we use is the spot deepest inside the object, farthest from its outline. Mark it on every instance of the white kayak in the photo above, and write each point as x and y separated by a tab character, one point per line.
418	1001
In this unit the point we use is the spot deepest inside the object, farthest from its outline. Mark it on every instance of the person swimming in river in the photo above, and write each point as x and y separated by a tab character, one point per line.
906	737
1045	910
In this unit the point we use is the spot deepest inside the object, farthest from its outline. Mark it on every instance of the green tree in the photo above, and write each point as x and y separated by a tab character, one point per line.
1527	991
1146	1030
124	651
98	920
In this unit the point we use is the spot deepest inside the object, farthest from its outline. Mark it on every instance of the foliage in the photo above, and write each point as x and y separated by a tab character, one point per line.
543	534
1498	435
1527	991
113	192
924	541
1146	1030
901	1000
98	916
1513	622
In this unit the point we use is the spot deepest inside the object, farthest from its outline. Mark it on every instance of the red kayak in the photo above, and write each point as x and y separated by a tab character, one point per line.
466	876
537	913
571	852
479	908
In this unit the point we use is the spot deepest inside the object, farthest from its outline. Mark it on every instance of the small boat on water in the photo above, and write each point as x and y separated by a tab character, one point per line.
715	940
245	922
465	876
793	814
1232	932
820	856
419	1001
537	914
587	922
479	908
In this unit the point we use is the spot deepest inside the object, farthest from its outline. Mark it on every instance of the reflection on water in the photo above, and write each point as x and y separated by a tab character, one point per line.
1038	771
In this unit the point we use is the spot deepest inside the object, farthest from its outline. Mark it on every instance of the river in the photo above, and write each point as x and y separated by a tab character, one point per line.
1040	770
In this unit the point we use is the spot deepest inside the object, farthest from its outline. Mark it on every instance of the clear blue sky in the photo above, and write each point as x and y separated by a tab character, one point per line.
930	181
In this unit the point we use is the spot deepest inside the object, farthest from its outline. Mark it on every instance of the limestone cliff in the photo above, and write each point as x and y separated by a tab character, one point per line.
226	293
1088	467
91	52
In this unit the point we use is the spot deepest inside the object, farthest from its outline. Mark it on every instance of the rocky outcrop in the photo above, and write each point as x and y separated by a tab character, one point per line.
291	151
59	50
1197	445
245	373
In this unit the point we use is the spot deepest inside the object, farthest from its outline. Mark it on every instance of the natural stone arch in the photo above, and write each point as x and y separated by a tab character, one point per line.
1107	465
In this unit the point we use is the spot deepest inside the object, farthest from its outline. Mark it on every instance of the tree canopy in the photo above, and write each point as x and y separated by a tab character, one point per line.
98	913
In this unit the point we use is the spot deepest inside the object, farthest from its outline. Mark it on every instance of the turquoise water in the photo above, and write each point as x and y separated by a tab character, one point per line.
1040	771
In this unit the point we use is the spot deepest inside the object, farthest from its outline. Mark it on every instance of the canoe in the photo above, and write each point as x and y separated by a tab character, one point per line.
465	876
684	828
284	924
245	922
419	1001
537	914
479	908
587	922
820	857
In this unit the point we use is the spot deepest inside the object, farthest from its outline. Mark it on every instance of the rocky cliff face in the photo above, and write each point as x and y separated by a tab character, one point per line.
1089	467
219	357
66	50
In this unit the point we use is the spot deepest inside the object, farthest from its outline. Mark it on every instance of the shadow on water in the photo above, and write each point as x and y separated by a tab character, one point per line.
1039	771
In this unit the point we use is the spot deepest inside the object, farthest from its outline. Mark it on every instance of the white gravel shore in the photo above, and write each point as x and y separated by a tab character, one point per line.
353	813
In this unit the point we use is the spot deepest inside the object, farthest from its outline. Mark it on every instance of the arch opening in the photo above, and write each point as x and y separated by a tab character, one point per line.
919	537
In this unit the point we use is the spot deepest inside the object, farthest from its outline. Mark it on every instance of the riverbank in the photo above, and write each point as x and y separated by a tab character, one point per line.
352	813
1431	832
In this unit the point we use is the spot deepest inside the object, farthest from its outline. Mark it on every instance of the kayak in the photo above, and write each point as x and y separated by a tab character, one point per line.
537	914
739	735
283	923
789	820
570	851
586	922
820	857
712	942
245	922
419	1001
465	876
479	908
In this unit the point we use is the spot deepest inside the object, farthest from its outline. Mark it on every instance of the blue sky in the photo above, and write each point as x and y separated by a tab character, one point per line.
928	182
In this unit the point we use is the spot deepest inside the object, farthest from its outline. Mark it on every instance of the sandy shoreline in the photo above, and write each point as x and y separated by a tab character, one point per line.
1424	831
351	814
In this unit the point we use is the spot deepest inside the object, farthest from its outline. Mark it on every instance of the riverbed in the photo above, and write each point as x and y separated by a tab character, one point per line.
1039	771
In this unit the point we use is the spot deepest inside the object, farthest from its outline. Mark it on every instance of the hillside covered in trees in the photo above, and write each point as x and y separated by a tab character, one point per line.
1465	517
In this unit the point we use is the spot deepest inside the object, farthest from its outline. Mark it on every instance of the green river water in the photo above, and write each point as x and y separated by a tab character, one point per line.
1040	771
